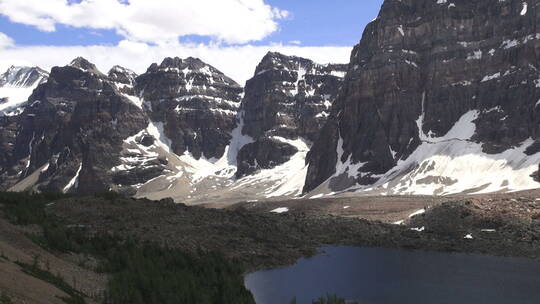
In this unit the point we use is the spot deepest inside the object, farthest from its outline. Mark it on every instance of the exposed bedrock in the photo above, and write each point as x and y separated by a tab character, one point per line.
425	64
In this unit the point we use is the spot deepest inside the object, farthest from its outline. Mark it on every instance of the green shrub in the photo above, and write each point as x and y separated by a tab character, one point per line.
75	297
152	274
5	299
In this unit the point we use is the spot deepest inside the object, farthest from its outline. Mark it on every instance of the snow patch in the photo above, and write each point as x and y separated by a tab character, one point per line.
342	167
156	130
339	74
301	74
16	97
74	182
524	9
452	164
421	211
280	210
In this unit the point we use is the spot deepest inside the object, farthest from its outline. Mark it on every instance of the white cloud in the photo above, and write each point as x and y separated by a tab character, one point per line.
238	62
156	21
5	41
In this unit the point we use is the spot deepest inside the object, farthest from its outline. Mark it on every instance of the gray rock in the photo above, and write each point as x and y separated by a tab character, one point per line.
288	97
75	123
196	103
439	60
263	154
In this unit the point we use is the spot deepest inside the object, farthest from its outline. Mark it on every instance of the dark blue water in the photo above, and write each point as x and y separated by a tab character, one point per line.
380	276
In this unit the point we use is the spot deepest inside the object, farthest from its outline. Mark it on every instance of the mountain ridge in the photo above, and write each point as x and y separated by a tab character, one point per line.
145	153
427	106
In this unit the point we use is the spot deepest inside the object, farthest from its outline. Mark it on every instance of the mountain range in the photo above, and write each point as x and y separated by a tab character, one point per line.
425	106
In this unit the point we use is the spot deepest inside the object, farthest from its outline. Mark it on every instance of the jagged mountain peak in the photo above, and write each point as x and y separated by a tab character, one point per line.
275	61
82	64
279	61
196	103
433	89
183	68
191	76
171	62
121	69
195	62
61	125
280	57
23	76
122	75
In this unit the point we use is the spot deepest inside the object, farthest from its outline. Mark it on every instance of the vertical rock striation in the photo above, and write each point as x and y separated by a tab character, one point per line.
287	99
422	68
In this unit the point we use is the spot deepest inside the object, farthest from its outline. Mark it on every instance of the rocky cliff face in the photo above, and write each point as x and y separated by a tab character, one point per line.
124	79
70	134
180	129
16	85
8	137
440	97
288	99
193	103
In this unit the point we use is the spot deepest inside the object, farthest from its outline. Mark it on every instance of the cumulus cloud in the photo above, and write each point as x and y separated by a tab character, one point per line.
152	29
155	21
238	62
5	41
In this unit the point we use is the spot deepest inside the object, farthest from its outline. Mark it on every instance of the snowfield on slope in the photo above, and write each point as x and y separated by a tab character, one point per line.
445	165
16	96
193	181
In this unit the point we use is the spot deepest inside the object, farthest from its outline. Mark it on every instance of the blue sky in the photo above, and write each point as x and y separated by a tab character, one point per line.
311	22
233	35
325	22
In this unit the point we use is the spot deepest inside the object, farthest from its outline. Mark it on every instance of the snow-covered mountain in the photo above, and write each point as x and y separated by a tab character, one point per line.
70	133
200	133
23	77
429	104
179	130
16	85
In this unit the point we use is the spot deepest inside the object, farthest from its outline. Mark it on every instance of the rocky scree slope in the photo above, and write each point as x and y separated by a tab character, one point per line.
440	97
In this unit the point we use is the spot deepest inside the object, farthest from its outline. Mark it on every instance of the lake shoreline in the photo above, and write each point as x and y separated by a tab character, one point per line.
255	240
380	275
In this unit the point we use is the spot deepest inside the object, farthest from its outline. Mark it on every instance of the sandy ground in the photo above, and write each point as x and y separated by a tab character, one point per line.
382	208
23	288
